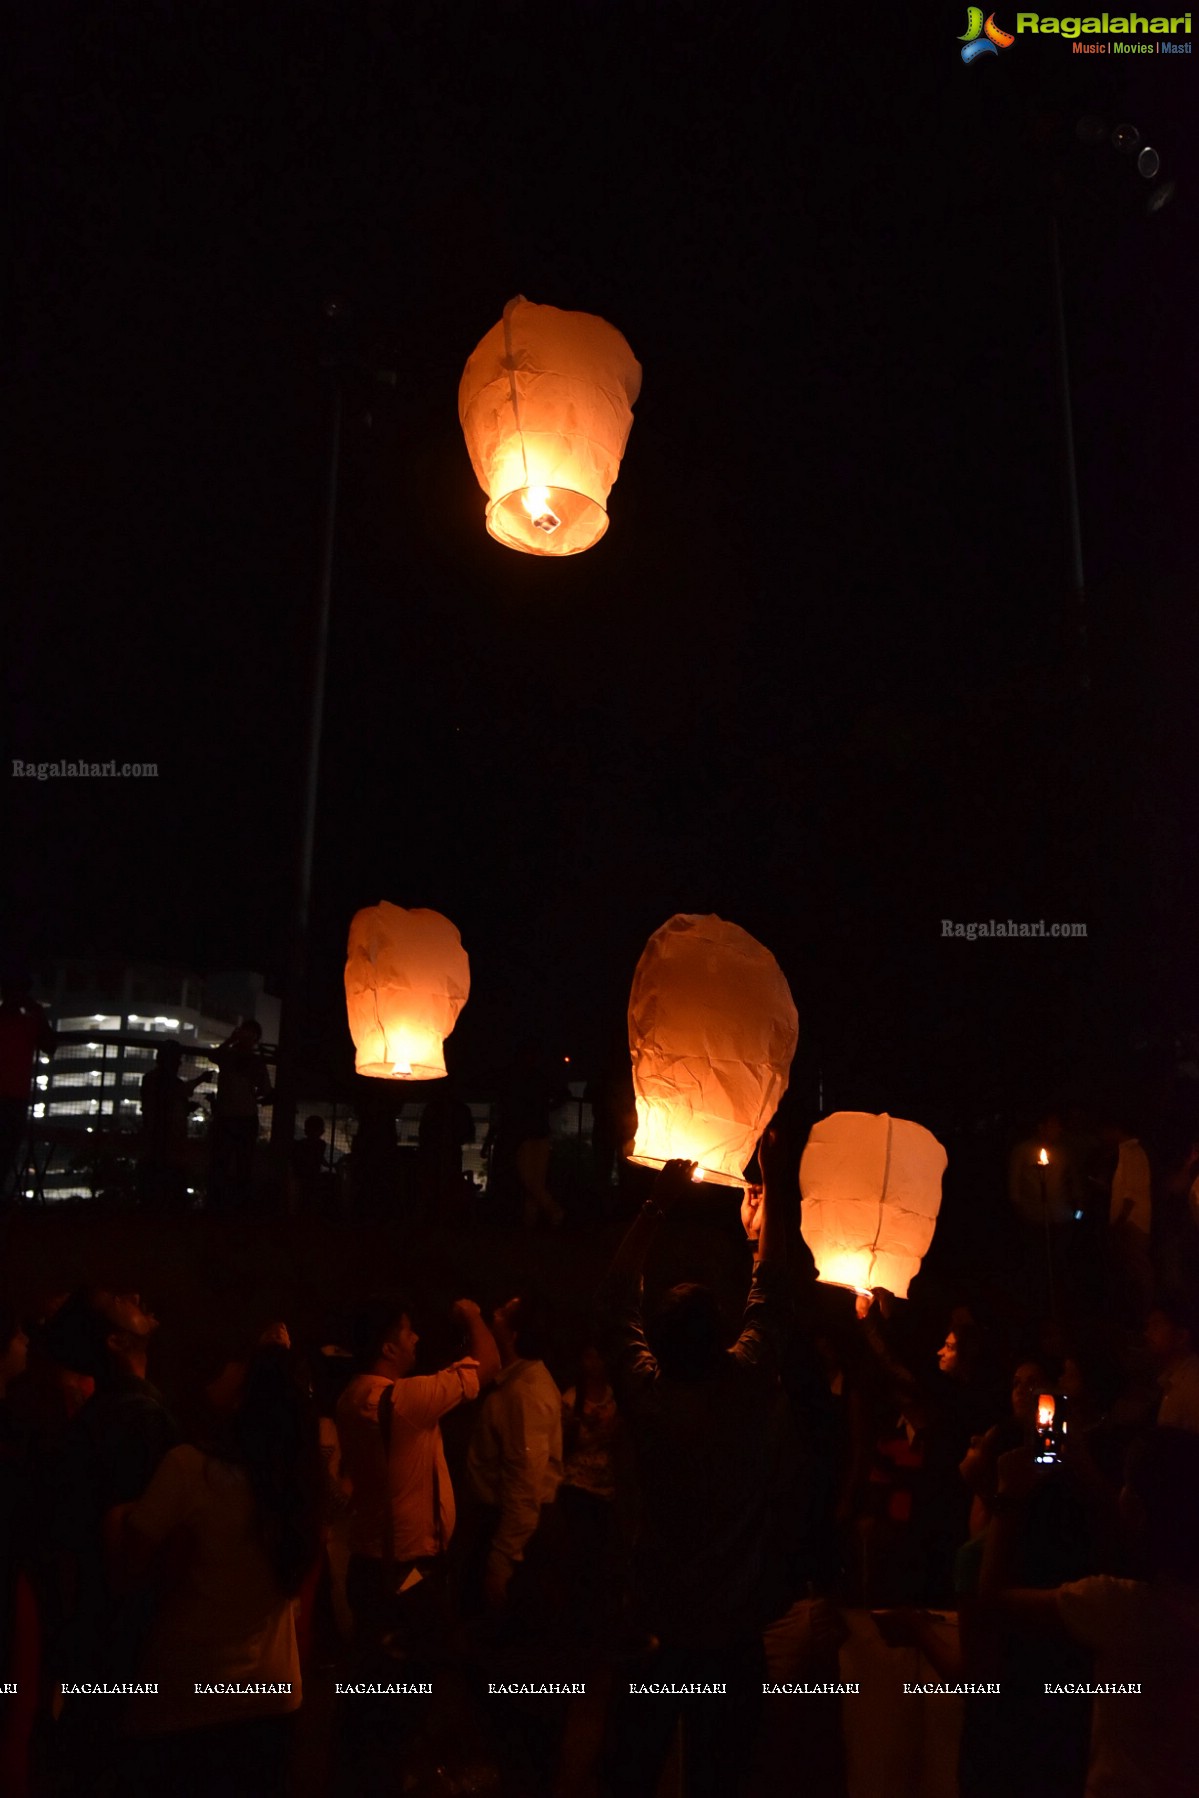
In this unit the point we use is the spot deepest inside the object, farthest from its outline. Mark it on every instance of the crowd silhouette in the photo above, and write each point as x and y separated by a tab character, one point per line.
604	1529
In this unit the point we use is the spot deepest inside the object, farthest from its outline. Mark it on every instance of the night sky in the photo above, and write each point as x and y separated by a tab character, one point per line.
817	676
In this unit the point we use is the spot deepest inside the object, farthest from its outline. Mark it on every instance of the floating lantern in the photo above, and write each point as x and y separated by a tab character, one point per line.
546	407
871	1193
712	1029
407	978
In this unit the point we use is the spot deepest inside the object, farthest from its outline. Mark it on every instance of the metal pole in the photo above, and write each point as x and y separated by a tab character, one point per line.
1048	1247
1078	589
283	1118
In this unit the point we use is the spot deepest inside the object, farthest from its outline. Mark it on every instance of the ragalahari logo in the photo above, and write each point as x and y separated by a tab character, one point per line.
983	37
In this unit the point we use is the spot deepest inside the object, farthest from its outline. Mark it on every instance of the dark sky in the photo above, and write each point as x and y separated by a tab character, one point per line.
816	676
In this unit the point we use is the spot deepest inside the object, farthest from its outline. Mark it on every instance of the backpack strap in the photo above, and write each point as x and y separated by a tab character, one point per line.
386	1398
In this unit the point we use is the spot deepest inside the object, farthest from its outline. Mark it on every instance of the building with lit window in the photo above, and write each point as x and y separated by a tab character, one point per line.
111	1019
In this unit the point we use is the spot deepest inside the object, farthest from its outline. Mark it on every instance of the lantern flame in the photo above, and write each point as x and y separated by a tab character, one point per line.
698	1174
536	502
402	1070
1043	1158
1045	1410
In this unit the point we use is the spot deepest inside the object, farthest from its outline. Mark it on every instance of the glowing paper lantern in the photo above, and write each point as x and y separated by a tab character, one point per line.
407	978
546	406
712	1029
871	1193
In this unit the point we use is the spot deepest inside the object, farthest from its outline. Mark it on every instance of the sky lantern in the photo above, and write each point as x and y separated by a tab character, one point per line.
712	1029
546	404
871	1190
407	978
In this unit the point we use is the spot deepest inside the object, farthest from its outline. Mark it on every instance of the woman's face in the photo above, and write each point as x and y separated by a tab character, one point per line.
1028	1382
947	1354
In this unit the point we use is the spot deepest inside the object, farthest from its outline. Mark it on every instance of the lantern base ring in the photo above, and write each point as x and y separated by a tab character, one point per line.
562	522
707	1175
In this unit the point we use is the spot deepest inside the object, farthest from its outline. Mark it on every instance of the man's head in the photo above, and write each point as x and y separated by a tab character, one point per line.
314	1128
689	1333
169	1057
1170	1332
385	1340
101	1333
248	1034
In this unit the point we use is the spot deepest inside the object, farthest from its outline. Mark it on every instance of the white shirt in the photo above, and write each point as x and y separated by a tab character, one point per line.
1142	1743
1131	1181
1180	1395
515	1457
417	1405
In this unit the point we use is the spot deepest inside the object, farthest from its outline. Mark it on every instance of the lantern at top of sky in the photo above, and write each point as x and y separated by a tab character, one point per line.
712	1029
871	1190
546	404
407	978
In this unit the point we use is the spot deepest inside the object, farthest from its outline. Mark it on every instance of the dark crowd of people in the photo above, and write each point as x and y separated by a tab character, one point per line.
541	1542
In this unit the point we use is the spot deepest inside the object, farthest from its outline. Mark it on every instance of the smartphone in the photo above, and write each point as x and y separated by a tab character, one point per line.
1051	1427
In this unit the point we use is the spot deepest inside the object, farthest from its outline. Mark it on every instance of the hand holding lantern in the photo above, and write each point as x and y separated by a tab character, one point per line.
673	1184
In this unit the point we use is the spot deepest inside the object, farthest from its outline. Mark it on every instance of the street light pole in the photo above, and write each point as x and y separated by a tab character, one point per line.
1078	589
283	1116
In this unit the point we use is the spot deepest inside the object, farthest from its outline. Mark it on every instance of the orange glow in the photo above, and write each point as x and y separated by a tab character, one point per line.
546	406
871	1191
1045	1410
712	1029
407	978
536	502
1043	1158
698	1174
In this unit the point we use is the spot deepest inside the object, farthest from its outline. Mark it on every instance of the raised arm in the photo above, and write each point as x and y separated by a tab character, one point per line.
770	1215
780	1202
482	1343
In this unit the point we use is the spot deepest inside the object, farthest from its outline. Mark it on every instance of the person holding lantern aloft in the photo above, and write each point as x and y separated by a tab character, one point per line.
703	1413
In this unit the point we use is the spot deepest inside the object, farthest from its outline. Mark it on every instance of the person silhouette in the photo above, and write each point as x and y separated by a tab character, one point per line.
243	1084
166	1103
